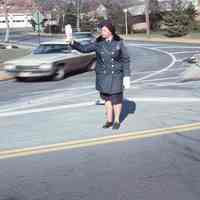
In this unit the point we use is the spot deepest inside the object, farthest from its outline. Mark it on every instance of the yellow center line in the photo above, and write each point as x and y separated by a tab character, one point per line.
74	144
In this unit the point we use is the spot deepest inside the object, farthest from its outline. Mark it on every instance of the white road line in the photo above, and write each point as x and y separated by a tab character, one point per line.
183	52
160	79
41	101
164	47
64	89
139	45
178	47
39	110
164	84
92	103
148	72
169	84
182	60
166	99
159	71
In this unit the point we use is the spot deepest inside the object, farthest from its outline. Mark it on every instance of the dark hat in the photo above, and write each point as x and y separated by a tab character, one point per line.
108	24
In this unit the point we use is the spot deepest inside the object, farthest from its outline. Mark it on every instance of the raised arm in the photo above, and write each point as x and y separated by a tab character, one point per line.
86	48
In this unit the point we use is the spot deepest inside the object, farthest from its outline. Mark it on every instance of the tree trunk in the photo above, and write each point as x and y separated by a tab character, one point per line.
78	15
7	21
147	17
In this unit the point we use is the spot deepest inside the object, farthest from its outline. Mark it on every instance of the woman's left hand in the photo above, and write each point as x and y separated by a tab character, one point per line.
126	82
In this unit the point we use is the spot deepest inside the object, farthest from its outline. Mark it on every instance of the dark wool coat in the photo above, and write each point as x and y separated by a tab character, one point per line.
112	63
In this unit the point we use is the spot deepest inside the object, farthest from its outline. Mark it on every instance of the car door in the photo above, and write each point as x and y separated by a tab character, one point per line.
80	60
71	60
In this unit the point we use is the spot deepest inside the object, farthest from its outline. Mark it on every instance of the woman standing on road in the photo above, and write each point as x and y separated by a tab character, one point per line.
112	70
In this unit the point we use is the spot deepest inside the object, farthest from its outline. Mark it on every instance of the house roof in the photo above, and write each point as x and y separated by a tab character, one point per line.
136	9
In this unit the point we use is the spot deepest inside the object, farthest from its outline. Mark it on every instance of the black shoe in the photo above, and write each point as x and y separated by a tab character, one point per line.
107	124
116	125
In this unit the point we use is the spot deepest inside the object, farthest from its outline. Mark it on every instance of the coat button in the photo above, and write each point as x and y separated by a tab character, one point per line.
112	72
112	65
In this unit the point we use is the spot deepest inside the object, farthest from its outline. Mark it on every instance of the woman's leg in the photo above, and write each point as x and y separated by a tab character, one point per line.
109	111
109	114
117	112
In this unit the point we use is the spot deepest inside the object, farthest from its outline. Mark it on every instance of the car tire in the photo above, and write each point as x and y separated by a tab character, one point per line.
92	66
20	78
59	73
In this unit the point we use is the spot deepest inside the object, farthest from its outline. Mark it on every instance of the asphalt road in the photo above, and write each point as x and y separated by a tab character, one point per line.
142	160
165	167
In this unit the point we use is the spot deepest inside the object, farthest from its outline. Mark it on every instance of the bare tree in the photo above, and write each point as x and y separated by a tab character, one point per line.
5	10
78	2
147	17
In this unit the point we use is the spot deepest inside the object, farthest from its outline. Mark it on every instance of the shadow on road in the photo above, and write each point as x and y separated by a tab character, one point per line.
129	107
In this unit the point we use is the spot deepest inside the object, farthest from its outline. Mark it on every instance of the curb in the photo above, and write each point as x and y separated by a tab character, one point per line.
165	40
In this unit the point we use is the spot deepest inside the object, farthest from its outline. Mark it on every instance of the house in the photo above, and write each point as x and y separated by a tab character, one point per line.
137	11
19	14
16	20
99	11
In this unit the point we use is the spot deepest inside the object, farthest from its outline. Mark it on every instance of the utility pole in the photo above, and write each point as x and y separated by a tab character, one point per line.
147	17
63	22
126	20
5	3
38	23
78	15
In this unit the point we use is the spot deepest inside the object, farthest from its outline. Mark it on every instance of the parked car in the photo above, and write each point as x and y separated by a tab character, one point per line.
192	69
53	59
8	46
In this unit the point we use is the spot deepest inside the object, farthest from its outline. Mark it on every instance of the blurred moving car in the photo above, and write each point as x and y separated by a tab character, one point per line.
192	69
53	59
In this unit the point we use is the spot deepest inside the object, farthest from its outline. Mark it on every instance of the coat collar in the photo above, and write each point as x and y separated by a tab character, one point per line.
115	38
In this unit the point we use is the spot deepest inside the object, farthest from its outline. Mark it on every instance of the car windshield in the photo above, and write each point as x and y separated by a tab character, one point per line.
83	35
52	48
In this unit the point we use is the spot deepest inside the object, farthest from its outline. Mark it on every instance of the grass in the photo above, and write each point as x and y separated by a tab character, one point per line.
10	54
192	35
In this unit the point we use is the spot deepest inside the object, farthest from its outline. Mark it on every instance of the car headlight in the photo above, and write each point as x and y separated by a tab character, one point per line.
46	66
9	67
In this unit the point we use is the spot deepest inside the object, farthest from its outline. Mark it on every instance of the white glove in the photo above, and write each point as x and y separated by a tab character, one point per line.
69	41
126	82
68	34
